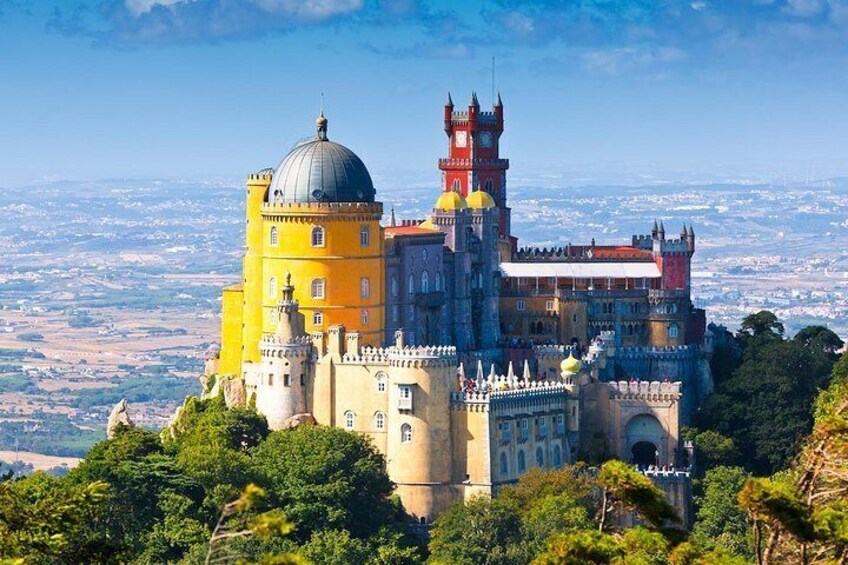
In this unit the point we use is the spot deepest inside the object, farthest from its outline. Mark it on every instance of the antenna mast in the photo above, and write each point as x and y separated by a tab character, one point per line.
493	81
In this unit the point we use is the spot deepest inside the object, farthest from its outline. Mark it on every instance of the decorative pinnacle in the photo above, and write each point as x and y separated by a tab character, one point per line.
321	124
474	101
499	103
691	230
450	101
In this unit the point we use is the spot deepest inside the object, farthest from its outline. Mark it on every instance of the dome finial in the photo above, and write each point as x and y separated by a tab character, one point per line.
321	124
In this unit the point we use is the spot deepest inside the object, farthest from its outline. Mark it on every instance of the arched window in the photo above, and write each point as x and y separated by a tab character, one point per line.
364	236
540	457
350	420
504	465
425	282
438	281
673	331
364	317
318	236
381	381
365	287
411	285
489	186
444	283
272	287
557	456
318	289
380	421
456	187
405	433
275	236
394	285
273	315
317	319
522	464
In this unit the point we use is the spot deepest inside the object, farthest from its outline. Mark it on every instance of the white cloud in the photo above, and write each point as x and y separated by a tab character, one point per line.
139	7
311	9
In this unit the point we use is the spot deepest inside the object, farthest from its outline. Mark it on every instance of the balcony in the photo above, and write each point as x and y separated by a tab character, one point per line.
404	397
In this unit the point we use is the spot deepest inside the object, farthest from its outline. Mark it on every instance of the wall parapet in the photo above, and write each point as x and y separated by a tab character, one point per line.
645	389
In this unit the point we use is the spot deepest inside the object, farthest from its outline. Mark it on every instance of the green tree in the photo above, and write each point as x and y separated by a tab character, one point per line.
581	548
480	531
820	338
325	479
714	448
335	547
47	520
623	488
762	324
719	521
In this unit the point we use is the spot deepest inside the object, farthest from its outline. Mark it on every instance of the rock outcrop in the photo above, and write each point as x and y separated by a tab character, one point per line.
119	418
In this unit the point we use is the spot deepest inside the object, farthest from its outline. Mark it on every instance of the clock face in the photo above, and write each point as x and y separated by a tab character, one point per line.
486	139
461	139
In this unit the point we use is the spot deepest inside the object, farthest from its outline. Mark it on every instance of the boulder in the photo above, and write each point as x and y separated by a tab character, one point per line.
119	417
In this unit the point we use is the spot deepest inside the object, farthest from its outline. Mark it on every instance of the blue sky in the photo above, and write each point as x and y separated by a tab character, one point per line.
593	89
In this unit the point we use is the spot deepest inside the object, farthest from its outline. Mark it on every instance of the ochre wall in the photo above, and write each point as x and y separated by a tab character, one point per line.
231	330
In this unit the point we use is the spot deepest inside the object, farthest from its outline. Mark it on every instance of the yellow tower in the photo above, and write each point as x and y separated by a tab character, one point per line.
316	220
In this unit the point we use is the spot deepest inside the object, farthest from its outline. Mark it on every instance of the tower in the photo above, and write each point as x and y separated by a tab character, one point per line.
281	383
473	161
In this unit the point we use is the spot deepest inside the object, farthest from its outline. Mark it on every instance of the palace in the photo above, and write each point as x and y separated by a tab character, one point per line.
466	358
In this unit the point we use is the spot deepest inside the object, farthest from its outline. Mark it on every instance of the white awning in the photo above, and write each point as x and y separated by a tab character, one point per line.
580	270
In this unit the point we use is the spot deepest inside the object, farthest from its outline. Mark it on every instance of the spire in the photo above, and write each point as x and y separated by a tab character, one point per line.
449	101
474	101
479	381
655	229
394	222
499	103
526	375
510	373
662	230
683	231
691	230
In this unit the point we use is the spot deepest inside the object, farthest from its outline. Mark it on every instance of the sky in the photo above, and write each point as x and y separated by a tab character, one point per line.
593	90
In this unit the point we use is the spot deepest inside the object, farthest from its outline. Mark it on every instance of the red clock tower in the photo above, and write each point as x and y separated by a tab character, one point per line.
473	162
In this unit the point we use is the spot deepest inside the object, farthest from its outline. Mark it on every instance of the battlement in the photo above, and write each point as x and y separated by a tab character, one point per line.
321	208
666	473
422	356
461	117
670	352
645	389
503	389
462	164
272	340
578	253
261	177
367	356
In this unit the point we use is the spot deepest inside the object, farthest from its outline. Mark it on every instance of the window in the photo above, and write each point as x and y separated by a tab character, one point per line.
380	421
318	236
540	457
273	315
405	397
365	287
350	420
519	305
275	236
549	305
286	380
424	254
425	282
364	317
525	428
574	318
270	380
381	381
317	319
405	433
272	287
542	425
394	285
364	236
560	423
504	465
438	281
318	288
673	331
522	464
411	285
456	187
557	456
395	313
488	186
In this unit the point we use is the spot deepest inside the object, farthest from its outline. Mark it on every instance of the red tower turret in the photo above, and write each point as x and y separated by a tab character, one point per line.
473	161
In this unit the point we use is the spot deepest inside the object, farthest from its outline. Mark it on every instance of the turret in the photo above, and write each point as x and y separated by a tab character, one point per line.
448	115
473	112
690	239
655	230
499	113
662	231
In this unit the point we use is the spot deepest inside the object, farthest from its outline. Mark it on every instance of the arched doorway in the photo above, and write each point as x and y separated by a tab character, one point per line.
644	453
645	441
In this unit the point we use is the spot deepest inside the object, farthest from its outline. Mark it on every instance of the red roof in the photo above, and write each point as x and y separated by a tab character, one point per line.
619	252
392	231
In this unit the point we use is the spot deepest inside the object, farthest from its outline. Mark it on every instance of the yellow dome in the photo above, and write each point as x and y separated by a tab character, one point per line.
451	201
570	365
480	199
428	225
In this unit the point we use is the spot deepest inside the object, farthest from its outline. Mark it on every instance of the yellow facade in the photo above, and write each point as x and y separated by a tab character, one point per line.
350	264
231	330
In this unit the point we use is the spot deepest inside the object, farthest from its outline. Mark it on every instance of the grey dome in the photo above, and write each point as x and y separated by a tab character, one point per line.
319	170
